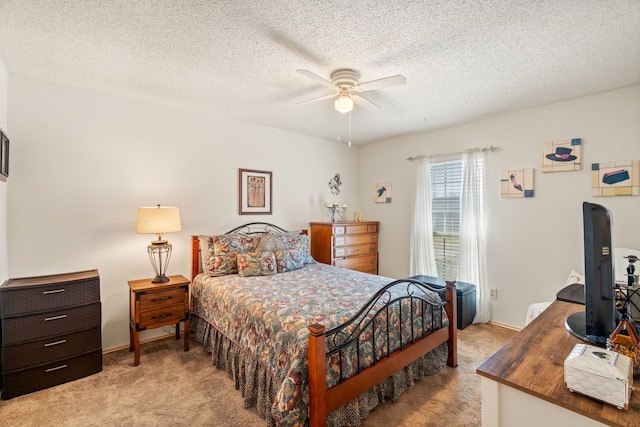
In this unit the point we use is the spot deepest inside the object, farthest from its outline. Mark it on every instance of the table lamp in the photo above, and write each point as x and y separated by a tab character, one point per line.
158	220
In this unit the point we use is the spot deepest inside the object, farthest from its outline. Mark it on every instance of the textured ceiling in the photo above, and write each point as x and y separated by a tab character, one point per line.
463	60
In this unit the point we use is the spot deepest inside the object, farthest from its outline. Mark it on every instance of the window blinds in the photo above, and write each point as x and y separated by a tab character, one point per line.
446	190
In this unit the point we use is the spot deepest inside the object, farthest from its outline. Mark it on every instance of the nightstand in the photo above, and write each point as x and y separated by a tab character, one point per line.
153	305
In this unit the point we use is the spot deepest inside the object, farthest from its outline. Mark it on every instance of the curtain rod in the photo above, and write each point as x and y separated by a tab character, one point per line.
419	156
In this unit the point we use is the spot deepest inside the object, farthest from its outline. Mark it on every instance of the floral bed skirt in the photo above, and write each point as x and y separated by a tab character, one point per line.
260	389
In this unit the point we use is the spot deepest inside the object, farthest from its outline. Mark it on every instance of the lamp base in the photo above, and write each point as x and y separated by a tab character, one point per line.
160	278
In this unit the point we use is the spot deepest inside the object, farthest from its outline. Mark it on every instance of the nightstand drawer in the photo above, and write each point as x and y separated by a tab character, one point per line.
155	300
47	350
50	324
162	316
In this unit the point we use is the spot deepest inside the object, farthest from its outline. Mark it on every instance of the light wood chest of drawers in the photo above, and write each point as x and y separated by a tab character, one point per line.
51	331
352	245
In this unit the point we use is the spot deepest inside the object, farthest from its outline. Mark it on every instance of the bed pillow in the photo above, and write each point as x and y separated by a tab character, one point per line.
302	244
272	242
256	264
219	253
289	260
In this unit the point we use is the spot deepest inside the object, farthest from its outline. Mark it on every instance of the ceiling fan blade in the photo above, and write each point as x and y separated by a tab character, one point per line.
361	100
380	83
317	99
314	76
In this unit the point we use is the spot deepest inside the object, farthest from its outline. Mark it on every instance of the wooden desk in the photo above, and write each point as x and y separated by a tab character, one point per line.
523	382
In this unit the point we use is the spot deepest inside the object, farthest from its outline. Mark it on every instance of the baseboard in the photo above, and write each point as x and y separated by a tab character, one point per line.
148	340
502	325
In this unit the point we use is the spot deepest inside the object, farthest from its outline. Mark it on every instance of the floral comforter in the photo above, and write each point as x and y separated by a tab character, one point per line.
256	328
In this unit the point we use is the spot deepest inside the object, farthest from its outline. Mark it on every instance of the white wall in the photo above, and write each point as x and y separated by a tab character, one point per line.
84	161
533	244
4	258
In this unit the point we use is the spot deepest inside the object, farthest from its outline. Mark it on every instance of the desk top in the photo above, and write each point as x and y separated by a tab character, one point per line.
533	362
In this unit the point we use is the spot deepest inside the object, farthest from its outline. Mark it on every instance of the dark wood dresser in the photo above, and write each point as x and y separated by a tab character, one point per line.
50	331
352	245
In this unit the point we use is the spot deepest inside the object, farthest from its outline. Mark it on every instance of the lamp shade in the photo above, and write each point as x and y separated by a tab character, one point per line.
158	220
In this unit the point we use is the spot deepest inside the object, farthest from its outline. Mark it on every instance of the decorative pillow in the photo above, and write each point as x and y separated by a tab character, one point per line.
219	253
257	264
289	260
302	244
276	242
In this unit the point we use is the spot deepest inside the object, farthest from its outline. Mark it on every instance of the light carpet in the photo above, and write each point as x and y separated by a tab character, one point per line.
171	387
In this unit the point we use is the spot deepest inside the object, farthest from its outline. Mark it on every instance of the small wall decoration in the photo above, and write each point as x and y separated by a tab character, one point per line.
335	183
516	183
615	178
565	155
255	192
4	156
382	192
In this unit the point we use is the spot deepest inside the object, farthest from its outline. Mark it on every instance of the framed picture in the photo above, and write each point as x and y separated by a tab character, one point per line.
559	156
516	183
255	192
382	192
615	178
4	156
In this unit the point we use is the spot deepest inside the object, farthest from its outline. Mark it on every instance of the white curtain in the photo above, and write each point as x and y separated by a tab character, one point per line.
472	266
423	260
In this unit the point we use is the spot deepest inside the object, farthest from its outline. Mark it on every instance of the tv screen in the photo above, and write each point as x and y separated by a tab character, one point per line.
600	317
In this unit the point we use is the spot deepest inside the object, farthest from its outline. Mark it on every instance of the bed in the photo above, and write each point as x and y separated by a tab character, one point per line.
308	343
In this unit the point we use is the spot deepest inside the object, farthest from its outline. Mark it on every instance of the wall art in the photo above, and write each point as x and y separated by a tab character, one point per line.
4	156
255	192
335	183
382	192
615	178
516	183
559	156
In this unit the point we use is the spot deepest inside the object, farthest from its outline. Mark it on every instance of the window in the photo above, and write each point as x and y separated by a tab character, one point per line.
446	215
446	191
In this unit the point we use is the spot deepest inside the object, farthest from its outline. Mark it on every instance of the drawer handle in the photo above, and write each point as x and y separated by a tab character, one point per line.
57	291
162	316
372	262
357	239
161	299
55	317
357	250
50	344
56	368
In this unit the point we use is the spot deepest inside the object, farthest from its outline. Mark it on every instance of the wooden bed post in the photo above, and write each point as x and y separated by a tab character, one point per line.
317	376
195	259
452	313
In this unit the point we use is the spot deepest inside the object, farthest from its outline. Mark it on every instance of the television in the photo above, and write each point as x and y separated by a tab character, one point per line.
596	323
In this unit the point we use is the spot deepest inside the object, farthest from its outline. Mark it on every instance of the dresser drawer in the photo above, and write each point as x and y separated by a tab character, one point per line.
34	294
155	300
162	316
366	263
358	239
40	377
355	250
54	323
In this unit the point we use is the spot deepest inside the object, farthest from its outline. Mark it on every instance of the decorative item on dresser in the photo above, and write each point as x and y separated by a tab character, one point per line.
352	245
51	331
153	305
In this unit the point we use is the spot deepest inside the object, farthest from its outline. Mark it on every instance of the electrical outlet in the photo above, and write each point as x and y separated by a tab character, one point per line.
493	293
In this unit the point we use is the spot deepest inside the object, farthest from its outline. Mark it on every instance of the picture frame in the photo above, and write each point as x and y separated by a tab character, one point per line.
255	192
382	192
4	156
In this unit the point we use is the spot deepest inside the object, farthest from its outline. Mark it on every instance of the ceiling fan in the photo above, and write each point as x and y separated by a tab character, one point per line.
347	88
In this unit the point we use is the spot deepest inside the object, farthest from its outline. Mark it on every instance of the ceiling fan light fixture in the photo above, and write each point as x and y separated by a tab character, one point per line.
344	103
